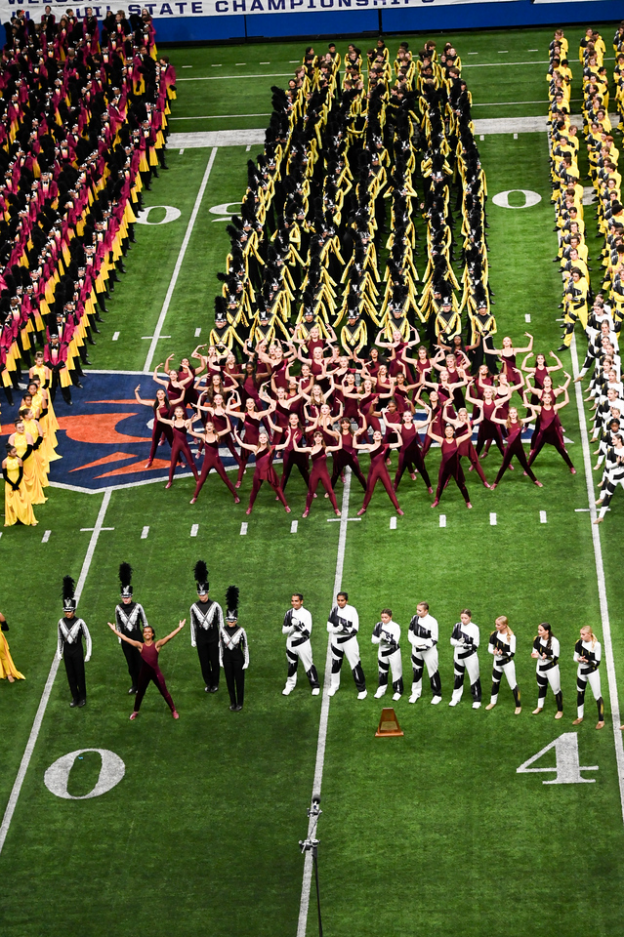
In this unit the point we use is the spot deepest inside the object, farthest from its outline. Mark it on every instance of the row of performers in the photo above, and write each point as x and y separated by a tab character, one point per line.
222	642
338	422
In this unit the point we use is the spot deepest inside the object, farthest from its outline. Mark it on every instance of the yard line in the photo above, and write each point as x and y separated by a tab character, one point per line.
176	273
45	697
602	587
198	332
543	517
294	526
115	336
322	736
527	317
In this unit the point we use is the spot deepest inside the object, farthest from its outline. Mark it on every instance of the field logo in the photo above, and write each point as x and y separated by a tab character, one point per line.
112	770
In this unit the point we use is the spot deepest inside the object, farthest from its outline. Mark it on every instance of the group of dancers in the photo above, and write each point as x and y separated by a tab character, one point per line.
340	407
602	322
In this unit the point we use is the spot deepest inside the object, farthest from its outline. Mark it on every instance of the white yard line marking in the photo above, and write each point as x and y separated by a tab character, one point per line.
240	63
46	536
543	517
243	530
442	520
144	533
473	53
322	736
532	50
602	587
148	338
181	151
178	266
482	137
247	148
503	51
217	66
527	317
45	696
115	336
264	63
493	521
515	136
294	526
582	510
187	66
197	332
194	530
393	523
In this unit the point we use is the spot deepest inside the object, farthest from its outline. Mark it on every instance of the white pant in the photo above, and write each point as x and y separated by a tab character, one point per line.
470	665
593	678
552	676
420	657
391	662
303	653
349	649
509	669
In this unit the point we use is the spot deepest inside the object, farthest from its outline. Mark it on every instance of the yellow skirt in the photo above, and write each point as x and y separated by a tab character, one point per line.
17	508
7	667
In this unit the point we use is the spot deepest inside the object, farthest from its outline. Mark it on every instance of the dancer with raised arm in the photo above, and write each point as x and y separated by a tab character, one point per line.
180	426
514	424
264	471
507	356
378	472
150	672
212	459
410	454
162	408
318	454
450	466
550	430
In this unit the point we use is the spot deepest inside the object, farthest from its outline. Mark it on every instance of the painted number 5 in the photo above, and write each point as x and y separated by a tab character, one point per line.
568	770
56	778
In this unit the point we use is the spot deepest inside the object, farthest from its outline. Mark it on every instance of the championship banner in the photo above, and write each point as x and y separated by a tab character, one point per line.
184	8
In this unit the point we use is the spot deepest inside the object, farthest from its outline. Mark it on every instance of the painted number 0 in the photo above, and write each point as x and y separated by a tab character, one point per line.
56	778
568	770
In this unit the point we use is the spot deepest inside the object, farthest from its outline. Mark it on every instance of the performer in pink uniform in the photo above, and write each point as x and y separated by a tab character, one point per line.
212	460
514	444
180	445
378	471
450	465
264	472
150	670
550	429
318	453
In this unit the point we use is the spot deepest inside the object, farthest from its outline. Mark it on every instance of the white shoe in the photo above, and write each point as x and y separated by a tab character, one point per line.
287	690
435	700
397	697
316	691
332	690
363	694
476	705
414	697
455	699
380	692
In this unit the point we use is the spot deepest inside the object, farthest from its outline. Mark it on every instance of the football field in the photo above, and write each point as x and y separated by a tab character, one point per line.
435	833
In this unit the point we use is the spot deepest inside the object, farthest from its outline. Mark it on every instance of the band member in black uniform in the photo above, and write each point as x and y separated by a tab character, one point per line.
130	620
206	624
71	631
234	651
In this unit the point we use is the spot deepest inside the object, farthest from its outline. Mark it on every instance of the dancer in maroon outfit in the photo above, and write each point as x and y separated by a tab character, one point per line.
290	456
410	455
264	468
514	444
345	455
378	471
450	465
212	460
466	448
318	453
162	408
180	428
488	430
252	423
150	670
550	430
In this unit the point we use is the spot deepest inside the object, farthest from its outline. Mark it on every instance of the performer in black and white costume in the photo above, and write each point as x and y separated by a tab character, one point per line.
71	631
234	651
613	475
588	653
546	650
130	620
387	634
423	636
465	640
298	628
206	623
343	625
502	646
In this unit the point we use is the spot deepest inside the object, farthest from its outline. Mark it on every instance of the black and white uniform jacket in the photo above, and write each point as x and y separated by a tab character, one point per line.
552	653
70	634
593	653
298	626
343	624
423	633
131	619
387	635
206	622
506	644
465	640
234	641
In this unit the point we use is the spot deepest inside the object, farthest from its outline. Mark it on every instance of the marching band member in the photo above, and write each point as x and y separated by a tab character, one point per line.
130	619
587	653
387	634
465	640
423	636
502	645
546	650
70	650
234	651
206	622
343	625
297	627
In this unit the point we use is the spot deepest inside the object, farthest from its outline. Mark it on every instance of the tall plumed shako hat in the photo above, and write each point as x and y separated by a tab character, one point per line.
231	603
69	602
201	578
125	578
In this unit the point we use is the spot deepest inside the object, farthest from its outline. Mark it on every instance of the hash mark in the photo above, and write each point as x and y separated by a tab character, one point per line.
144	533
46	536
243	530
393	522
194	530
442	520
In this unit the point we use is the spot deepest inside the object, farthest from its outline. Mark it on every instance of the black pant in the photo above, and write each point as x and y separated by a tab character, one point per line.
133	660
234	675
208	653
74	665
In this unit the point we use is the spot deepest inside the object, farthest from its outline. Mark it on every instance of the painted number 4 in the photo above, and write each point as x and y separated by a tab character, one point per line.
568	770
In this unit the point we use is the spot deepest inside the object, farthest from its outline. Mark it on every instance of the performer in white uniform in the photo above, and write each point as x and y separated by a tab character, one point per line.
502	645
465	640
588	653
387	635
343	625
546	650
298	628
423	636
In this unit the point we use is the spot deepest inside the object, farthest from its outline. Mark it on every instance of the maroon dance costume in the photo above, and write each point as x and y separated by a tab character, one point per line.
320	474
410	455
181	446
212	460
551	432
160	430
379	472
291	458
514	448
265	473
151	672
347	457
450	467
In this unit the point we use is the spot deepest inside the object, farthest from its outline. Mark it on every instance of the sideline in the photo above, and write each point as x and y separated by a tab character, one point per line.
45	697
178	266
602	588
322	736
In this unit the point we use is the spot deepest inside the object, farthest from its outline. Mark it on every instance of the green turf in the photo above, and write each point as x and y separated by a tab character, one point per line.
434	832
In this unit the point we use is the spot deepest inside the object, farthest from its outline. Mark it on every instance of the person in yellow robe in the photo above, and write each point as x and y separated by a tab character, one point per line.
8	670
17	508
24	444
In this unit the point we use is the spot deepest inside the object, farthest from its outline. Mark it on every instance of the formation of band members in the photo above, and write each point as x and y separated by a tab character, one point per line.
602	322
222	643
342	406
83	121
